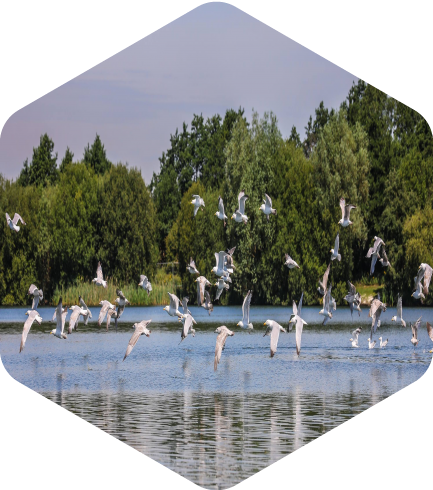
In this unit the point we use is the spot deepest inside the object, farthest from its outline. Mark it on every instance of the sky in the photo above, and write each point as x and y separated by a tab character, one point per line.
205	62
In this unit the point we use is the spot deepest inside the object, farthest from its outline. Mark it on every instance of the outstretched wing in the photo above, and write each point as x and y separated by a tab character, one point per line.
231	251
246	308
99	274
275	334
352	289
300	304
427	278
220	205
325	277
400	307
347	211
299	328
220	342
17	218
343	207
241	201
134	339
268	201
337	243
120	294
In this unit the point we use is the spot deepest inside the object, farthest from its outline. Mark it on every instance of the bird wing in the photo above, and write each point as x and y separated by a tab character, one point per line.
427	278
102	313
241	200
220	205
231	251
73	319
400	307
59	315
337	243
27	324
32	289
274	338
373	263
120	294
186	326
207	298
17	218
185	304
347	211
300	304
202	288
299	327
342	206
294	308
174	301
139	330
325	277
385	256
352	288
220	342
268	201
99	274
246	308
430	331
7	217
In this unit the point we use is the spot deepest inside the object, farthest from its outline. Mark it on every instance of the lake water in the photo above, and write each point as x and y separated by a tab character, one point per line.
216	428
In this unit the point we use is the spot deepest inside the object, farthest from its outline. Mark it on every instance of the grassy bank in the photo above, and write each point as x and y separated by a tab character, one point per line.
161	285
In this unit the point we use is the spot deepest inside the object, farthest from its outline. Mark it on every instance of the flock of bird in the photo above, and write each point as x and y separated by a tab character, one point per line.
224	267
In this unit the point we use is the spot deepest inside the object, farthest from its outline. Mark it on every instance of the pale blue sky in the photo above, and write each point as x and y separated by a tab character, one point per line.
211	59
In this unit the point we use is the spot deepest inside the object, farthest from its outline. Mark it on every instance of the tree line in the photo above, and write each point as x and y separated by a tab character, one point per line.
373	150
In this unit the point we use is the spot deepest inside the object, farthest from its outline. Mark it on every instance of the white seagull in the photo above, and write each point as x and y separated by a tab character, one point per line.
373	252
353	298
173	308
273	330
267	206
355	335
13	223
376	309
84	307
345	211
323	284
207	305
384	261
187	323
37	295
334	251
229	259
33	315
220	213
245	322
145	284
326	310
60	315
140	329
424	272
105	306
415	327
73	320
221	285
220	267
239	215
418	294
202	282
99	279
299	322
197	201
223	332
191	268
290	262
384	343
399	317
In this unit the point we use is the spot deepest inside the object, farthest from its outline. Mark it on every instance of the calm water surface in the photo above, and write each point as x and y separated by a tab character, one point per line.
215	428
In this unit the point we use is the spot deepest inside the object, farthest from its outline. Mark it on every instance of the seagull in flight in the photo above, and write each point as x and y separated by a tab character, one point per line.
33	316
373	252
105	306
326	310
324	282
99	279
220	213
187	323
223	332
345	211
173	308
145	284
75	315
290	262
334	251
191	268
376	309
353	298
37	295
399	317
273	329
207	305
60	315
267	206
221	285
197	201
239	215
202	282
86	309
424	272
299	322
13	223
140	329
414	328
245	322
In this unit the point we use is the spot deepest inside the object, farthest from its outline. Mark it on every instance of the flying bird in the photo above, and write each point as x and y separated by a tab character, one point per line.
290	262
229	259
326	310
424	272
373	252
221	285
207	305
418	294
60	315
399	317
84	307
334	251
121	303
223	332
355	335
73	320
185	308
220	267
267	206
145	284
384	260
414	328
197	201
376	309
273	329
220	213
324	282
202	282
353	298
13	223
173	308
33	315
239	215
140	329
187	323
299	322
245	322
37	295
191	268
345	211
105	306
99	279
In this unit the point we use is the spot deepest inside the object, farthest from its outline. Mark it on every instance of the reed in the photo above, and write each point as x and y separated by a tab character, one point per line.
92	295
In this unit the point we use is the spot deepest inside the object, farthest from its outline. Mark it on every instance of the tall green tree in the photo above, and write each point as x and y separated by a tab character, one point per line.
43	168
95	157
67	160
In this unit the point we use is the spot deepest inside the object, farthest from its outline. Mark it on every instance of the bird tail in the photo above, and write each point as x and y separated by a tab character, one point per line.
18	228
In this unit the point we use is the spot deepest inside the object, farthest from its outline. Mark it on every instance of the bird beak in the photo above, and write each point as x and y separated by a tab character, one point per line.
51	333
231	217
264	324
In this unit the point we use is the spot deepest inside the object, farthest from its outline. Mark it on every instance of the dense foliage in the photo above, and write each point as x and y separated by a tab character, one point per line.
372	150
